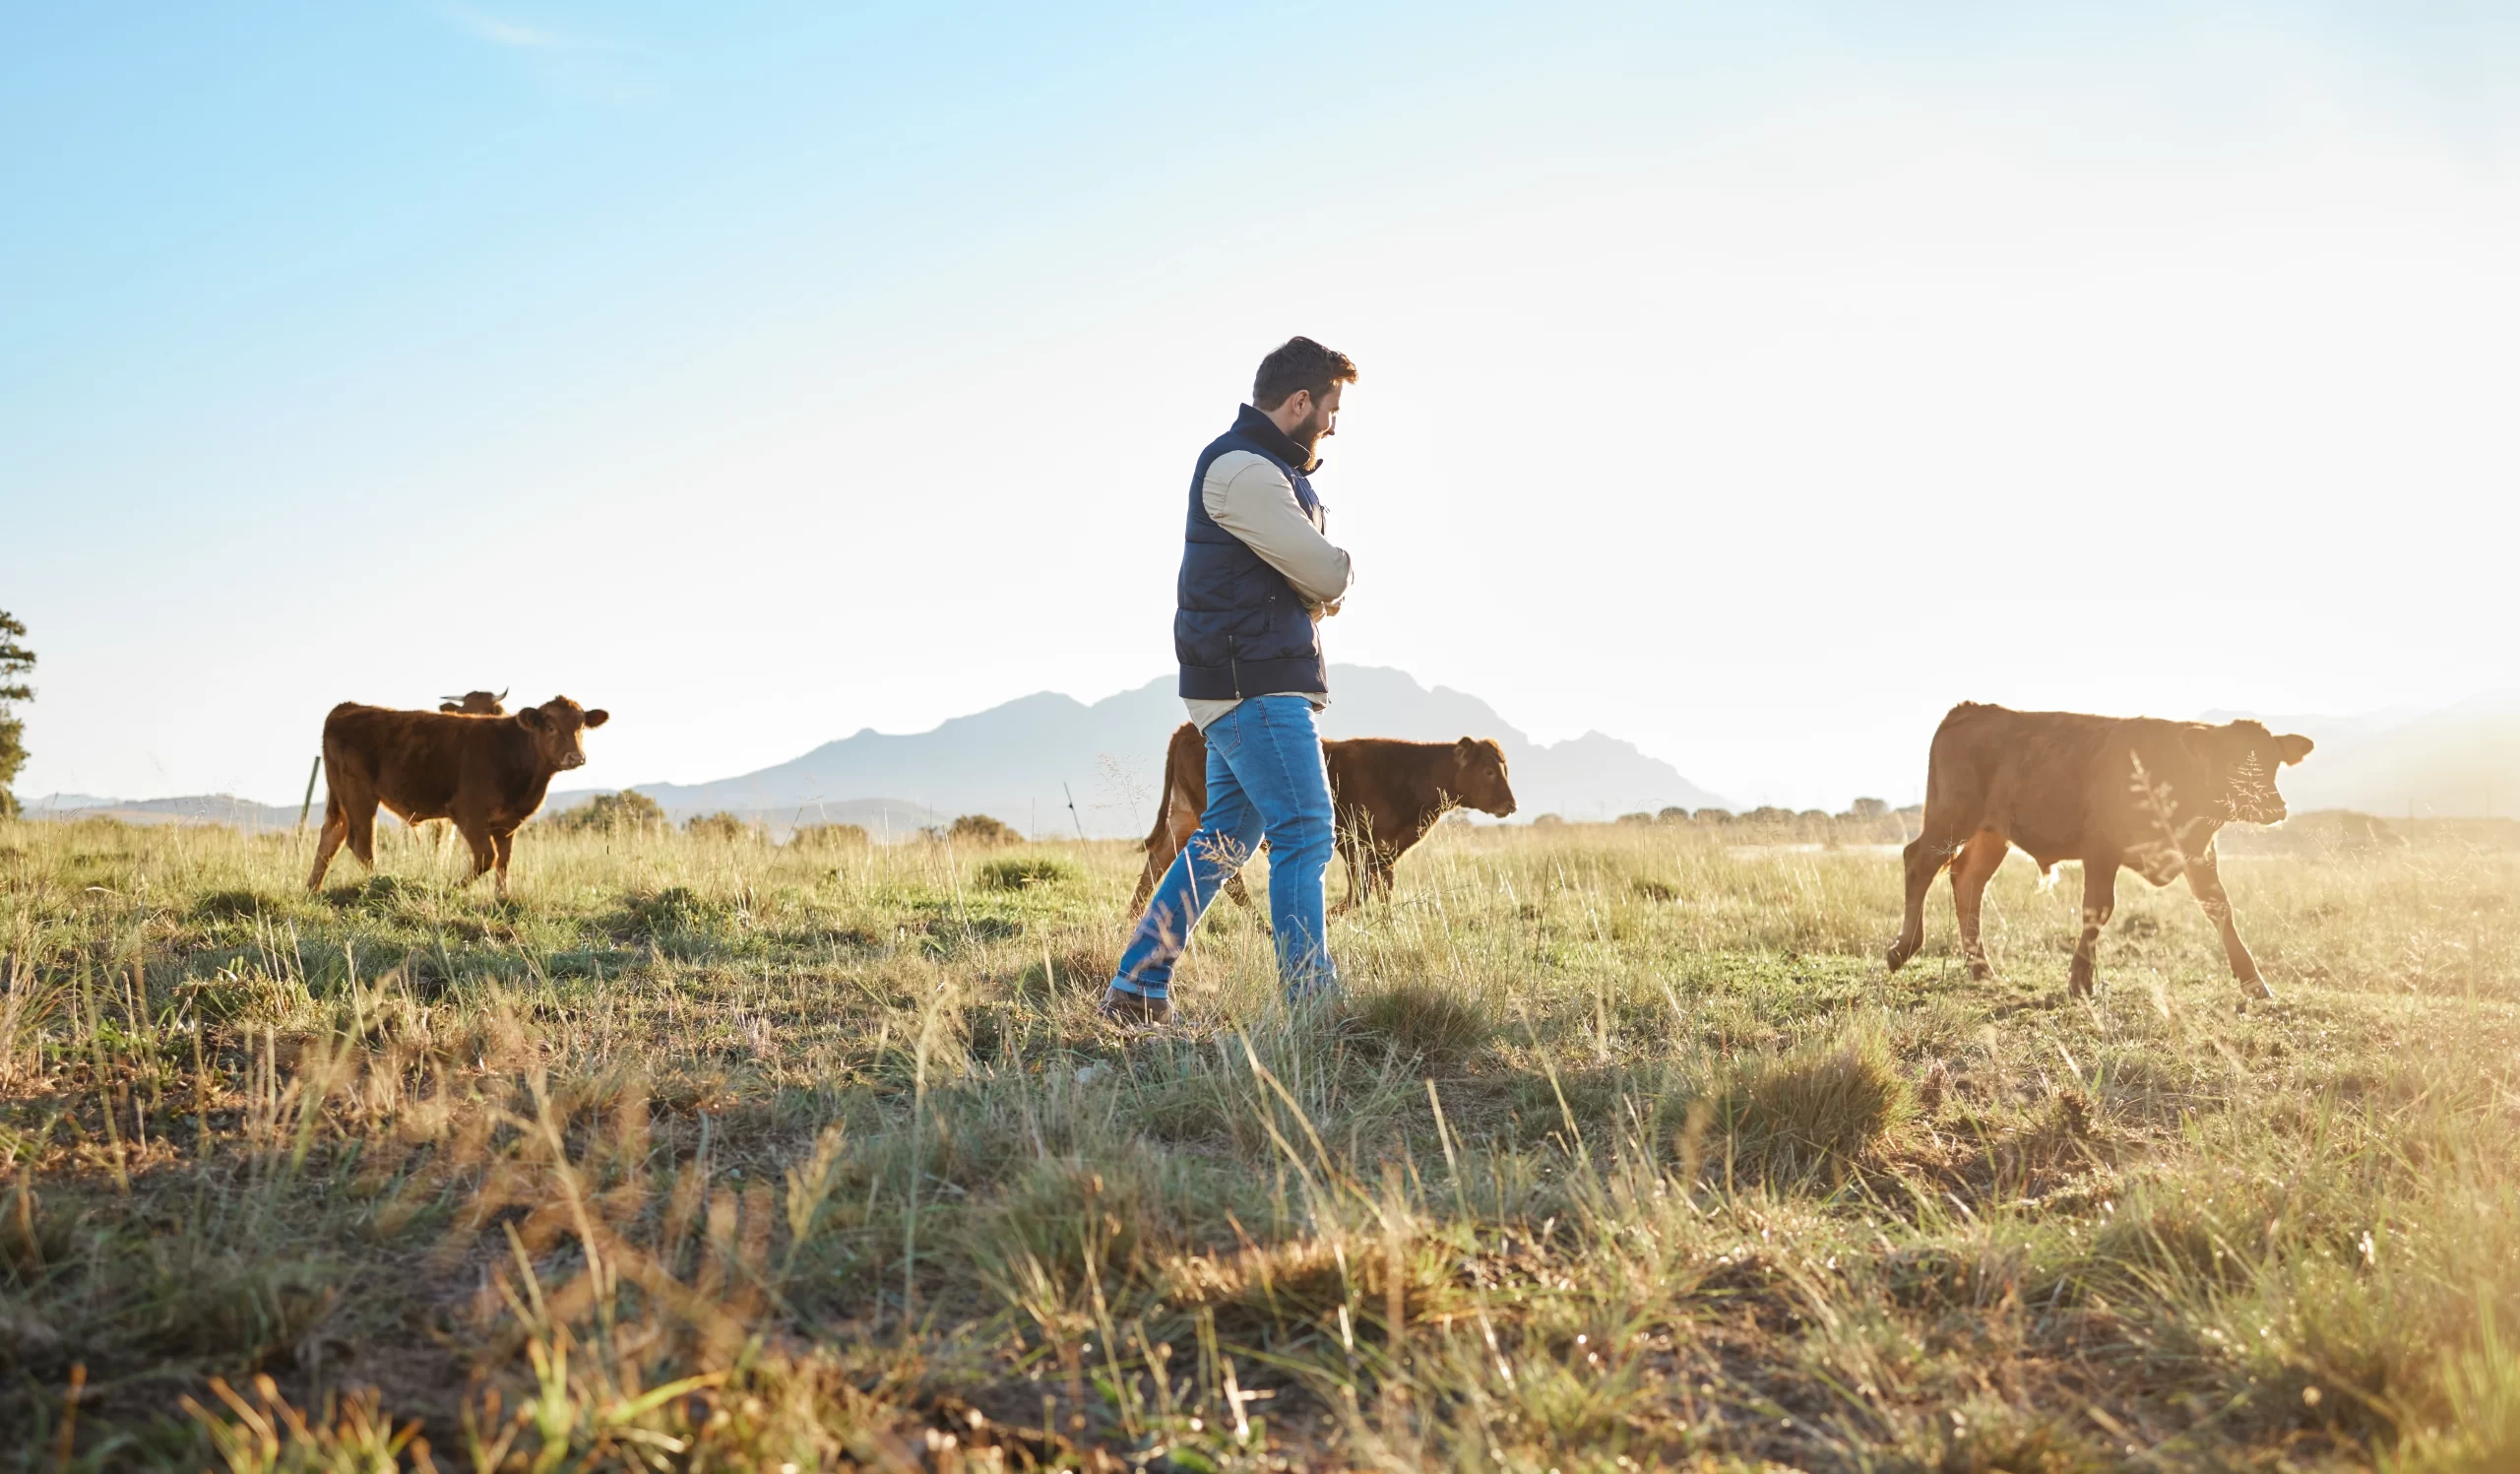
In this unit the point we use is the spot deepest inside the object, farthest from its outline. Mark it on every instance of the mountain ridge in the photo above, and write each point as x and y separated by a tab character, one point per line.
1027	759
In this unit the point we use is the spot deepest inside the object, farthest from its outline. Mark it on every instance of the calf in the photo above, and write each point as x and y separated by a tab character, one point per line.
487	774
2108	791
1384	794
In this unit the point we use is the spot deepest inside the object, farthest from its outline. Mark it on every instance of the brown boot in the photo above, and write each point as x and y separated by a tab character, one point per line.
1130	1010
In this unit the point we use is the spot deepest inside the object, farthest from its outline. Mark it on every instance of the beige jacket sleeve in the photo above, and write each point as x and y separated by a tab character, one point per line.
1252	500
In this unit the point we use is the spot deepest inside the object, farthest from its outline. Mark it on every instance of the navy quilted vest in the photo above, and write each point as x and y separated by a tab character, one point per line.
1240	629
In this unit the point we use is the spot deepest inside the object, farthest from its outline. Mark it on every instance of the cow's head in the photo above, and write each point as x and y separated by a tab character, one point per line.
558	727
2245	757
475	704
1479	777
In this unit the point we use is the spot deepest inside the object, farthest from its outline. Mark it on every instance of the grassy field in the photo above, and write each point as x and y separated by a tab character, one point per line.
1620	1152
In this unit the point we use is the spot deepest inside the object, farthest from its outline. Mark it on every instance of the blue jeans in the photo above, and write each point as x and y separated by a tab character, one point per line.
1265	777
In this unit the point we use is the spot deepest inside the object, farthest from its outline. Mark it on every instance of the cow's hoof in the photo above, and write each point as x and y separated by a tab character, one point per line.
2255	991
1899	954
1980	972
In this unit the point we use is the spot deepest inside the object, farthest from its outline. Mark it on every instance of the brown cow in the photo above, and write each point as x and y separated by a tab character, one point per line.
1384	796
487	774
2107	790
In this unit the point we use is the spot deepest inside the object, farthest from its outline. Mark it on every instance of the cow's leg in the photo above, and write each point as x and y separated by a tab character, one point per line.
501	844
1382	865
1969	871
1159	858
1171	832
2100	902
2205	878
1926	855
1352	858
361	815
336	828
476	838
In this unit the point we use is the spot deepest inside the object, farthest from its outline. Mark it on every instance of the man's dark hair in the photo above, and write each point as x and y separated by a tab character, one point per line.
1300	364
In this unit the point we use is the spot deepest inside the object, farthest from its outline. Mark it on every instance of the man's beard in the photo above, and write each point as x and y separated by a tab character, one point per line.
1307	430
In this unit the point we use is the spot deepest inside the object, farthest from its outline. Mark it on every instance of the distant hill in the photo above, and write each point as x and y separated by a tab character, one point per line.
1021	760
196	809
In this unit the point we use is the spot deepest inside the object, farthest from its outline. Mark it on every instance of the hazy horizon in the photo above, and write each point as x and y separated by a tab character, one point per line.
1900	791
1750	387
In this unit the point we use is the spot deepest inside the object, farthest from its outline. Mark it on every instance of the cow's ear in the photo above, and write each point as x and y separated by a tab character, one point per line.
449	706
1467	747
536	718
2296	746
598	717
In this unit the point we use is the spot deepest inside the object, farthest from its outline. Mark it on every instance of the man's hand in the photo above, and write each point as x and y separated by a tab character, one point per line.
1321	612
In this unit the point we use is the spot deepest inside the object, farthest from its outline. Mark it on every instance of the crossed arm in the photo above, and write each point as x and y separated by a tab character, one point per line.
1253	500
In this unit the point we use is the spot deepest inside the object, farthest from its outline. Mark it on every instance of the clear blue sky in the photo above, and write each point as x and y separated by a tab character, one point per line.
1751	382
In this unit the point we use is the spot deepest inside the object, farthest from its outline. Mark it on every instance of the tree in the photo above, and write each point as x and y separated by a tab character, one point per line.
975	829
15	661
829	837
613	814
721	826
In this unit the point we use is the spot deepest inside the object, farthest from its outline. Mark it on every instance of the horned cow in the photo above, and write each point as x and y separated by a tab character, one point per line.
434	833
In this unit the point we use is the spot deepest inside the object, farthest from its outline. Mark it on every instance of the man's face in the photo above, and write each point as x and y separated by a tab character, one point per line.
1321	418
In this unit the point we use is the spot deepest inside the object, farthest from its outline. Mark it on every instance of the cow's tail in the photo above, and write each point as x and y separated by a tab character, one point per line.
1164	792
1157	836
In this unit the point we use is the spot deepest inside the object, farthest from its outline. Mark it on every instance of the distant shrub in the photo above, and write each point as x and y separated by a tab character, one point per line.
829	837
1770	815
1673	815
628	811
1639	817
720	826
1712	816
1549	821
1023	872
1870	809
976	829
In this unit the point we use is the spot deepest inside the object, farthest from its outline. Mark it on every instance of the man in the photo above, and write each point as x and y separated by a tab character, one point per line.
1257	578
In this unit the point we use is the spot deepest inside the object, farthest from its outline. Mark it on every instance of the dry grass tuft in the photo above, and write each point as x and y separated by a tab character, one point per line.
1432	1025
1023	872
1821	1109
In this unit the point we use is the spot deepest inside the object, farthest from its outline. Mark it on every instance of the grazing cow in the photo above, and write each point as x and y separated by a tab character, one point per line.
487	774
1384	794
2109	791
